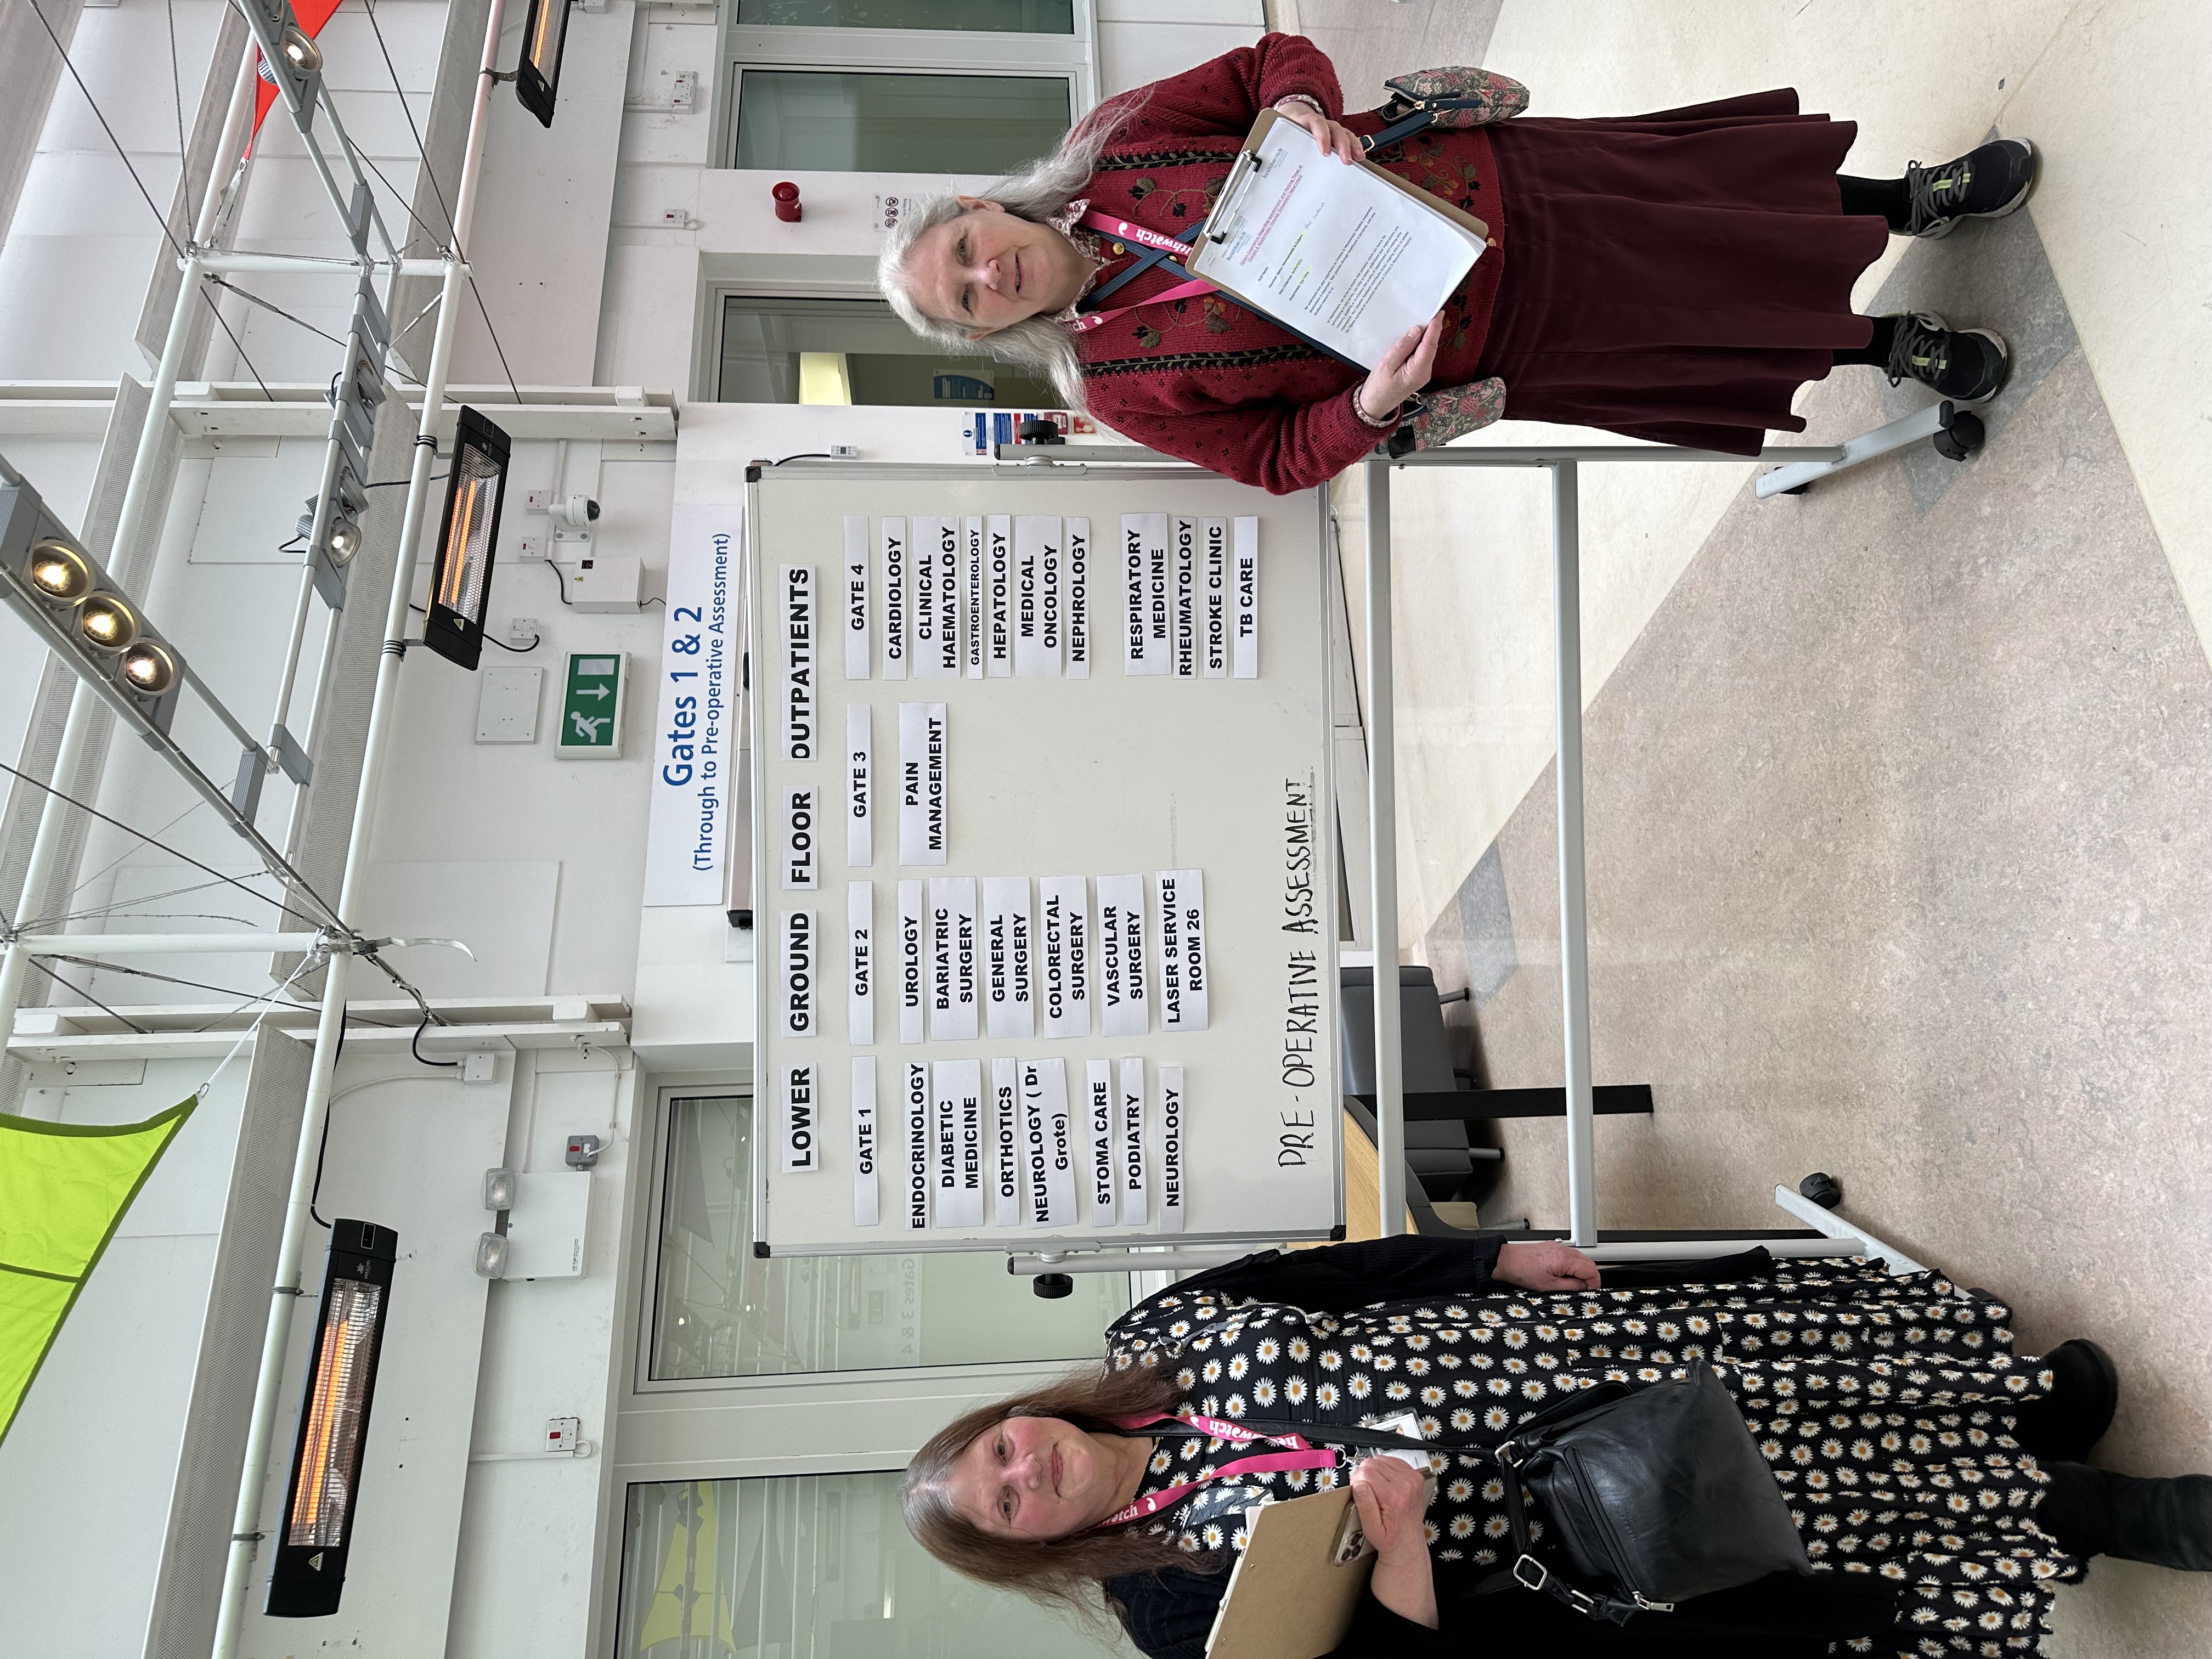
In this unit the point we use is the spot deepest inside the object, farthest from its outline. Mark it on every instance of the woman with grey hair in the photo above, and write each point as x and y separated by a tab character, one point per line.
1673	277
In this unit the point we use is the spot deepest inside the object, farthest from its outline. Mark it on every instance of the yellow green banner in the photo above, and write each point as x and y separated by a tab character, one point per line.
64	1188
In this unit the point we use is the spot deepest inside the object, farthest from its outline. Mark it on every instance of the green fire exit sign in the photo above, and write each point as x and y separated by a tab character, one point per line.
591	700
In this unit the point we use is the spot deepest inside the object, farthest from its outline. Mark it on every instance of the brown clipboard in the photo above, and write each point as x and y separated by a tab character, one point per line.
1435	203
1290	1596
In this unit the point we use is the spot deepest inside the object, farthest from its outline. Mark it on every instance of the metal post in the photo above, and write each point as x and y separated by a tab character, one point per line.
76	728
1382	863
1573	919
245	1529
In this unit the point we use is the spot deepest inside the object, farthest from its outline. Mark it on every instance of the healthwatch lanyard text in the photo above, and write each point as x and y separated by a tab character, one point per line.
1301	1456
1122	230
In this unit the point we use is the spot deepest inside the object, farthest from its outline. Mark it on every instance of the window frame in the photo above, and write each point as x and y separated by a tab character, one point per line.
1072	58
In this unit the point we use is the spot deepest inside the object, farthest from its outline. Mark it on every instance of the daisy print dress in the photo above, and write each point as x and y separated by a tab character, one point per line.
1884	1406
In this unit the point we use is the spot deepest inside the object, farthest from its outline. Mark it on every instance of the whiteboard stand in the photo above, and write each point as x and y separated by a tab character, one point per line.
1832	1235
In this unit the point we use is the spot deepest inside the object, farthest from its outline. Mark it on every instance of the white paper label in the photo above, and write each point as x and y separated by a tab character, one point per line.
698	774
1007	1009
867	1142
921	782
955	983
1047	1140
956	1103
1123	973
1005	1143
913	1107
1173	1195
1247	652
1185	604
1063	955
860	954
914	963
1144	592
799	961
1129	1165
800	707
1101	1113
1181	925
856	597
1036	605
802	834
1077	587
971	601
998	600
926	610
860	786
802	1119
898	568
1214	596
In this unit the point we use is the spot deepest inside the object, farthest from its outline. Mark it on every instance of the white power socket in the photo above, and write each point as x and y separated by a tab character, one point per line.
479	1067
533	547
537	500
684	90
521	630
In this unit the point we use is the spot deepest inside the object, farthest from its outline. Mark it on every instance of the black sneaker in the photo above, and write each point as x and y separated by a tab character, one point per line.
1967	365
1983	183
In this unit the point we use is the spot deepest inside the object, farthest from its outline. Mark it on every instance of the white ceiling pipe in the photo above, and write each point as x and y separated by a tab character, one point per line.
162	944
246	1528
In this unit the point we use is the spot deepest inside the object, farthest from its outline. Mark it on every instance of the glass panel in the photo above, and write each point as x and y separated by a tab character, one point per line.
771	353
819	121
815	1566
720	1312
993	16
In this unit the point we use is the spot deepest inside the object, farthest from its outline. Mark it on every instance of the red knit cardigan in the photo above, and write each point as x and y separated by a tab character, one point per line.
1205	379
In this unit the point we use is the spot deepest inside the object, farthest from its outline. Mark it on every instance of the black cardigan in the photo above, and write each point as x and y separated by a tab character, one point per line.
1169	1612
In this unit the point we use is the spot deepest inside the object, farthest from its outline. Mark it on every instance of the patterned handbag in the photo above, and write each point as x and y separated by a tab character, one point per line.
1447	98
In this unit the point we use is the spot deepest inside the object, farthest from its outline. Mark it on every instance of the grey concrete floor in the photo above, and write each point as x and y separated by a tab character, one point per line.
1899	812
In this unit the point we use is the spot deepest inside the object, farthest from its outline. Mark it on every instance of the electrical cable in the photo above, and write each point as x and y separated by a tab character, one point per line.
329	910
452	230
559	578
160	217
414	1042
810	455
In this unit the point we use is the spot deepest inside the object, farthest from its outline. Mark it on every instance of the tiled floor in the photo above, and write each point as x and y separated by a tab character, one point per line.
1899	793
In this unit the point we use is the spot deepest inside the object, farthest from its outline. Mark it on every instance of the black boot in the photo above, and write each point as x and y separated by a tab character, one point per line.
2065	1425
2166	1523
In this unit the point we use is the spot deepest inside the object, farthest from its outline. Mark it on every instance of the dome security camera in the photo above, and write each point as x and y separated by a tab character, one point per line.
577	512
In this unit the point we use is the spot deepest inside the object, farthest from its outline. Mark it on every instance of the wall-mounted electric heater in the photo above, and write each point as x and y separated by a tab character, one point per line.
461	582
322	1496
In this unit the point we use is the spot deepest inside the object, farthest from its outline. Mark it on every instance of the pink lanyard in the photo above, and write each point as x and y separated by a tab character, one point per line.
1123	230
1302	1457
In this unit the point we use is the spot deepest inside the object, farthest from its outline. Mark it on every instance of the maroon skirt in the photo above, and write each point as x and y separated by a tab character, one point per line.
1676	276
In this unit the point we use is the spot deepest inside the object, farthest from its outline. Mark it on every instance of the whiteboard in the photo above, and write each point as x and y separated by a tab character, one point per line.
1021	790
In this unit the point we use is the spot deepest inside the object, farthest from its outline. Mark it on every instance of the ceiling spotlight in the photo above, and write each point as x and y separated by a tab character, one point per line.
302	53
60	572
147	668
106	621
341	540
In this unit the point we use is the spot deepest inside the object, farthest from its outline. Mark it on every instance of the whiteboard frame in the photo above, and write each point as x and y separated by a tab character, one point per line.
1327	880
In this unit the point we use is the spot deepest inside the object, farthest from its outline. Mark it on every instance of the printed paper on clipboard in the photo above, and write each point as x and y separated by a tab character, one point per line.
1351	257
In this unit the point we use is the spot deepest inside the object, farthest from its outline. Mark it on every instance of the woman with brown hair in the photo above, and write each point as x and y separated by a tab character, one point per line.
1675	276
1935	1478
